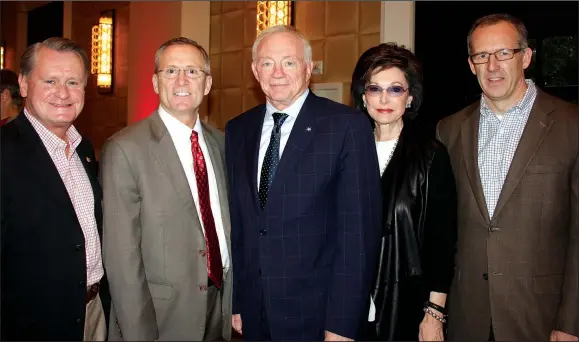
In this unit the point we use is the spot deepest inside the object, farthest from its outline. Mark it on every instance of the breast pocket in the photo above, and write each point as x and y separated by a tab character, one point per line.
160	291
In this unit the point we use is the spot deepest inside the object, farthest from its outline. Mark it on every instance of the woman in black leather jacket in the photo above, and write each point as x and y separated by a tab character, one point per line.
416	264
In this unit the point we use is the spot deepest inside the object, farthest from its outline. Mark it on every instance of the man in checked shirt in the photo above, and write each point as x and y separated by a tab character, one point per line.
53	285
514	155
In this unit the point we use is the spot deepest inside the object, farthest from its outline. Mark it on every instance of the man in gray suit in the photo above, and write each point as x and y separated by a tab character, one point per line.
166	217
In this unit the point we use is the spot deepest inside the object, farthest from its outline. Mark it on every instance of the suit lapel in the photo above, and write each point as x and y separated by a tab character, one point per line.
300	137
217	162
86	157
164	150
469	138
42	165
253	138
538	124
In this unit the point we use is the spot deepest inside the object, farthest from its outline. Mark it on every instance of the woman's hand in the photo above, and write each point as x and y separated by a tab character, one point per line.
430	329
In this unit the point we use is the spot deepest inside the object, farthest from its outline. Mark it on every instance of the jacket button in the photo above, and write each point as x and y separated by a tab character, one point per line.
82	283
495	229
78	247
202	253
486	276
78	320
263	232
202	288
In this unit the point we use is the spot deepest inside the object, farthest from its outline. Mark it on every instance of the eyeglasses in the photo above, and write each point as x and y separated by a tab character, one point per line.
501	55
376	90
189	72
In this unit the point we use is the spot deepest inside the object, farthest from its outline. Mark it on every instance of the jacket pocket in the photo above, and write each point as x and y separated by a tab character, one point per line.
160	291
548	284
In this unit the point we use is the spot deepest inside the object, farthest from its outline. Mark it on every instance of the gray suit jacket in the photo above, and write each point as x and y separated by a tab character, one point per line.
520	266
153	244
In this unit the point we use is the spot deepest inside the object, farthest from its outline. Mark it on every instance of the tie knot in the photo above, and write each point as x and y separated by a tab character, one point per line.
279	118
194	136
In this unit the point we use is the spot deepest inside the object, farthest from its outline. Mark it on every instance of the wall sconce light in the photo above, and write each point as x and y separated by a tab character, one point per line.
2	56
272	13
102	52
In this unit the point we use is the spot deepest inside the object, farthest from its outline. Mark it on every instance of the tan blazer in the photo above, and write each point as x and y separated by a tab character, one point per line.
520	266
153	245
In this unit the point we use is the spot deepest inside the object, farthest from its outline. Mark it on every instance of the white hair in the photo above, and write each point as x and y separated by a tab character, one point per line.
278	29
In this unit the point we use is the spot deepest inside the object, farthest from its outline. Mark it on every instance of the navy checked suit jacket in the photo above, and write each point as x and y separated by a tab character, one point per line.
309	256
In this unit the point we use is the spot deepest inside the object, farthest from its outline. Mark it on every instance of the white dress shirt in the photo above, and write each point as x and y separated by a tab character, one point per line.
268	124
181	136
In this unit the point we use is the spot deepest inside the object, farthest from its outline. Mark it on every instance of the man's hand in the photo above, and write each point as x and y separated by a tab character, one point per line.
430	329
236	323
330	336
561	336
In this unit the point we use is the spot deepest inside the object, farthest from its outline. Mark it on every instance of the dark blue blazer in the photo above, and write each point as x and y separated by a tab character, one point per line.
43	267
308	257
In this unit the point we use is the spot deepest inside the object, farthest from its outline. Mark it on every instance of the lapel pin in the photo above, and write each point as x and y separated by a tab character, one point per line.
87	159
309	129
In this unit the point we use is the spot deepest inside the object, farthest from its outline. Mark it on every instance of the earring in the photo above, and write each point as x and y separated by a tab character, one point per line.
364	104
408	105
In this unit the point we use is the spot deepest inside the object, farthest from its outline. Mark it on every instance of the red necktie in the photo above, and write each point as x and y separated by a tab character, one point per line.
214	265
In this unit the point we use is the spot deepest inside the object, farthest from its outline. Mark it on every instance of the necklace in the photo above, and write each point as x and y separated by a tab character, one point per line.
383	168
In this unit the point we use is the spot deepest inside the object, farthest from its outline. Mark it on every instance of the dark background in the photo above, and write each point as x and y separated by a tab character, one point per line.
441	29
45	22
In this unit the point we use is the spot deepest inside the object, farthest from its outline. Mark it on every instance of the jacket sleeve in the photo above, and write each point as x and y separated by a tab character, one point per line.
236	226
568	317
440	225
122	256
358	208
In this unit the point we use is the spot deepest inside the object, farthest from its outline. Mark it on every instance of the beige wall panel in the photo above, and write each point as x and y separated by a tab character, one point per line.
341	54
232	31
231	105
341	17
215	34
231	69
370	16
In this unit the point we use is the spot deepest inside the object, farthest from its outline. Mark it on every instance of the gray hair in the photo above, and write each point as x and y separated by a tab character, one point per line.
494	19
183	41
278	29
59	44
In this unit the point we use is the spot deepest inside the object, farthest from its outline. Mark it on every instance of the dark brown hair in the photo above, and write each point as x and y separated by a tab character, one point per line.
385	56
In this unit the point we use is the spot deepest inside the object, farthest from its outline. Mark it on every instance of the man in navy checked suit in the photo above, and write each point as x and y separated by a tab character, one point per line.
304	201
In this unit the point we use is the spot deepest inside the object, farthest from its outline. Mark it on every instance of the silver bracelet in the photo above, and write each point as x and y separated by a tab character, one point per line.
433	314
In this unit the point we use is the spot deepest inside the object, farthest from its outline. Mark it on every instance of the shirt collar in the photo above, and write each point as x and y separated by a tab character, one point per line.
176	128
50	140
293	110
529	95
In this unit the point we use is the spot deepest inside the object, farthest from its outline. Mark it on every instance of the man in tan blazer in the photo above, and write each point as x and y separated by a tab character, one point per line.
166	217
514	155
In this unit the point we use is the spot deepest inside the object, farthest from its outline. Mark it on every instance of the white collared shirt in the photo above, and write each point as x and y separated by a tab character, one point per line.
181	136
268	124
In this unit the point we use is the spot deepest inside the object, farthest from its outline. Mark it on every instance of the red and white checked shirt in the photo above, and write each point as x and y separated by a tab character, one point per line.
79	190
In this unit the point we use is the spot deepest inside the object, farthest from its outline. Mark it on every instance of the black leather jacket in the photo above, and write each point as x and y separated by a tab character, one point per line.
419	232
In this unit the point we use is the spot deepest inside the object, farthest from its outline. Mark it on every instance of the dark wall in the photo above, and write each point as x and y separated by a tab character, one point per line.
440	43
45	22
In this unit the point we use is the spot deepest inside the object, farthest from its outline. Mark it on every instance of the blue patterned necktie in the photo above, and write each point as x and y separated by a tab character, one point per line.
271	159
